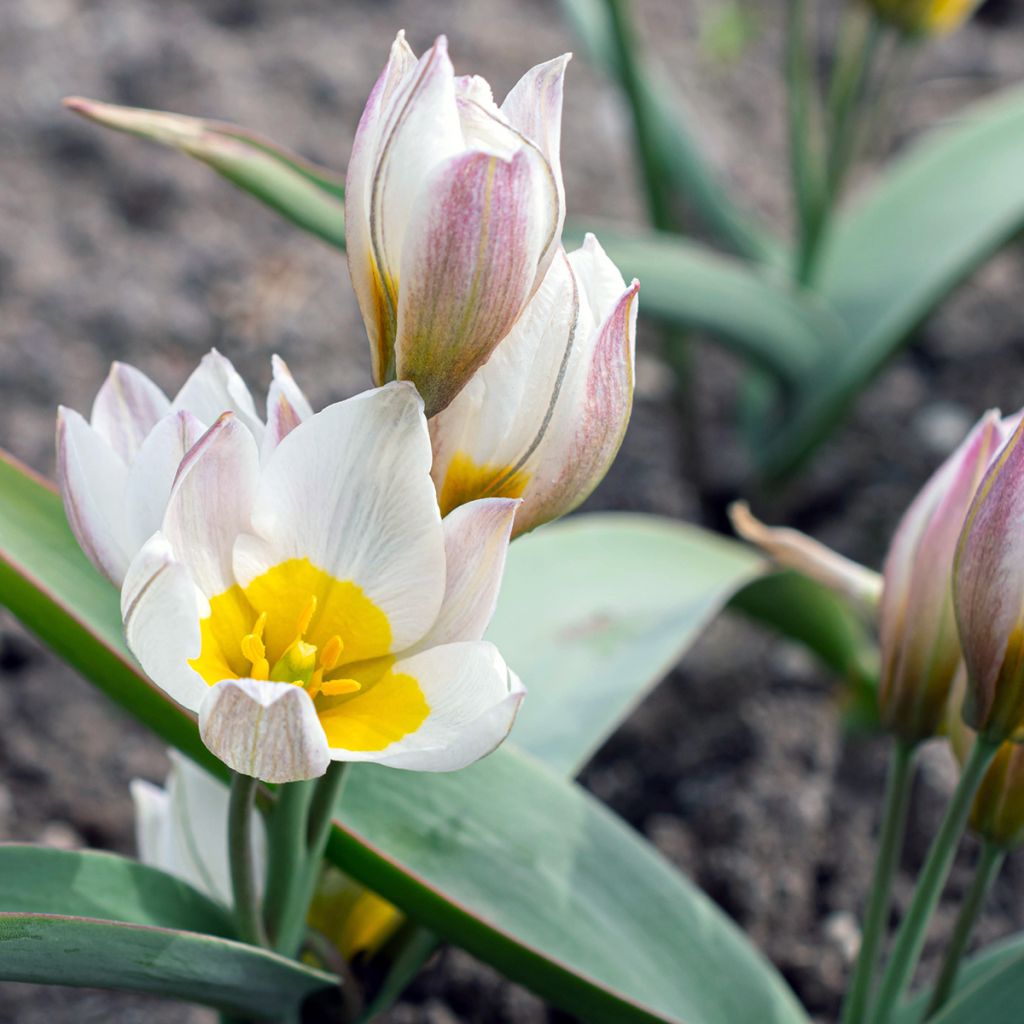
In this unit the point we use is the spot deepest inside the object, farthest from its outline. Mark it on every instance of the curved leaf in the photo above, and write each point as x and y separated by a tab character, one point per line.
88	883
226	975
302	192
936	214
690	285
597	609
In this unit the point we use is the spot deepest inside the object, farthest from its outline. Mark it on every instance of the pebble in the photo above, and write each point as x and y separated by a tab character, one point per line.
941	426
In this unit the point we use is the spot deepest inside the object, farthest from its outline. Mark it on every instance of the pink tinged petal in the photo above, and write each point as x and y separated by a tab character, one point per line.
214	388
161	609
267	730
469	267
92	480
988	593
126	408
534	108
350	490
472	697
476	537
920	647
151	475
287	406
211	502
589	424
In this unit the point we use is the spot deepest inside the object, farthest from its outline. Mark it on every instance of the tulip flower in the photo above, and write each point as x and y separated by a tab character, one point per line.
925	17
988	589
316	607
544	417
453	210
920	646
115	471
181	829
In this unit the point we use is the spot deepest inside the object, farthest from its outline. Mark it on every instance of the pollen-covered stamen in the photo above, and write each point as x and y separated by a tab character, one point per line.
255	650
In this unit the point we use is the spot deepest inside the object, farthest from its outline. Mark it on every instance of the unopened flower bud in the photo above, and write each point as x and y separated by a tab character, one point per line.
925	17
920	647
988	588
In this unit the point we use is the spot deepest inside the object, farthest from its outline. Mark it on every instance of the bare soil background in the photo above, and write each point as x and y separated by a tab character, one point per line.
113	249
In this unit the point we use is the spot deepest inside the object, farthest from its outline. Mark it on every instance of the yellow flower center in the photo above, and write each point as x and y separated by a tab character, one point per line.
298	624
466	480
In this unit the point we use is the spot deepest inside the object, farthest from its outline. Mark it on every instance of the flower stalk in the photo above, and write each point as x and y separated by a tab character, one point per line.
911	935
986	872
240	815
890	842
286	854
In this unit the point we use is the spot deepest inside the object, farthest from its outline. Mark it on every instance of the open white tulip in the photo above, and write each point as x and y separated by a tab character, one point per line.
116	470
544	417
316	607
453	213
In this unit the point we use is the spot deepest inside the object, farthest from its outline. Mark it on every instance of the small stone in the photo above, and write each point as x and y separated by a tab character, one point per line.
60	835
842	931
941	426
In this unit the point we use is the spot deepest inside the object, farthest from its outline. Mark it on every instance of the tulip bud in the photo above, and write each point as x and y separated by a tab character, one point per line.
543	419
355	920
925	17
988	589
920	647
454	211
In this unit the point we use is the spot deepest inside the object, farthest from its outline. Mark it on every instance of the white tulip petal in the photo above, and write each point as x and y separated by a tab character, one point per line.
358	186
267	730
126	408
600	279
287	407
476	537
473	699
211	501
161	609
92	480
350	490
152	473
153	840
214	388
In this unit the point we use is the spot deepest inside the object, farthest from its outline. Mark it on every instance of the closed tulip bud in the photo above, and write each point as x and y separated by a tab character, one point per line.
925	17
543	419
920	647
988	589
454	210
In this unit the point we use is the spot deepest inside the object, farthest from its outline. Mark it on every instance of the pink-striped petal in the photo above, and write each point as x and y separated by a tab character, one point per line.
126	409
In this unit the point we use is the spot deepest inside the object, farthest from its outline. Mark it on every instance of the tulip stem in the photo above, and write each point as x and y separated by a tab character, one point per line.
322	806
890	842
985	874
910	938
240	813
286	853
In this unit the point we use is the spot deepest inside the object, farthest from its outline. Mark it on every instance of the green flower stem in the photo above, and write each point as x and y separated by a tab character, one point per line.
326	795
804	161
910	938
240	813
286	852
985	874
890	842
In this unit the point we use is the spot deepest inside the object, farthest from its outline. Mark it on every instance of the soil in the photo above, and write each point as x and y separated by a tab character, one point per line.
112	249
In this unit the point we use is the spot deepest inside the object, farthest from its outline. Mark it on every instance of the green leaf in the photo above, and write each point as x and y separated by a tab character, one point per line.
678	158
597	609
989	963
533	875
995	997
691	286
226	975
936	214
88	883
520	867
302	192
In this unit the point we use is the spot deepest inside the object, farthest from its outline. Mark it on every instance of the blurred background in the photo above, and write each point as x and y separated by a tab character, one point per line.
111	248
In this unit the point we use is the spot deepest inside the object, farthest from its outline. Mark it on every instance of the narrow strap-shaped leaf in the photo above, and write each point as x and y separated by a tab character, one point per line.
935	215
227	975
90	883
302	192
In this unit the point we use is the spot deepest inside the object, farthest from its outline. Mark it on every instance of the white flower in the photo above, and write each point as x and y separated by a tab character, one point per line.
115	471
453	212
316	607
544	417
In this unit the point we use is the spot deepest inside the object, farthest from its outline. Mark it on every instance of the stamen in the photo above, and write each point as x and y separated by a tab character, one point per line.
331	654
255	651
340	687
305	618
